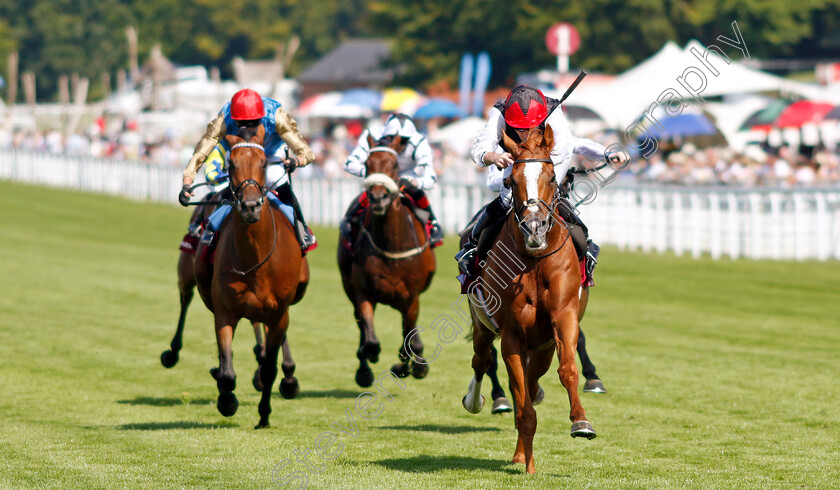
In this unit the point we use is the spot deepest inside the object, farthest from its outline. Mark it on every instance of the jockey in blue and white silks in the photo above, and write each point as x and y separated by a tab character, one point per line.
248	109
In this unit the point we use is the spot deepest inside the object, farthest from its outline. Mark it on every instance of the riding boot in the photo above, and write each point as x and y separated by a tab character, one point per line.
304	235
436	233
467	256
419	197
591	250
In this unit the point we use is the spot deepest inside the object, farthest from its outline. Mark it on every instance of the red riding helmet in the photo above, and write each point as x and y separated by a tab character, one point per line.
525	107
246	104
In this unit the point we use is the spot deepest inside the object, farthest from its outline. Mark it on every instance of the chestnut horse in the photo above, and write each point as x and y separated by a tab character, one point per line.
259	271
539	306
391	262
186	287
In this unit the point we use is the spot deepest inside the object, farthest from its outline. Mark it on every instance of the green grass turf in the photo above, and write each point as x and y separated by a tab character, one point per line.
720	374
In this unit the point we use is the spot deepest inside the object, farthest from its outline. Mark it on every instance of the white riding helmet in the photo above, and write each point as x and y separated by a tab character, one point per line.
400	124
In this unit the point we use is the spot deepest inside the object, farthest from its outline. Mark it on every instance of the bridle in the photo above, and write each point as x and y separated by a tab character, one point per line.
550	209
393	191
237	202
238	190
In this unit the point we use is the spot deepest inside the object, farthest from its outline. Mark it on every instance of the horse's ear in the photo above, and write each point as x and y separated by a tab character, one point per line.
371	142
232	139
548	137
396	142
260	136
509	145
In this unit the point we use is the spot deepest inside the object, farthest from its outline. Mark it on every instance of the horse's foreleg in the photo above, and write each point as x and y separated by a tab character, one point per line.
225	375
368	344
566	329
274	341
483	356
289	386
513	352
259	353
412	360
500	402
186	286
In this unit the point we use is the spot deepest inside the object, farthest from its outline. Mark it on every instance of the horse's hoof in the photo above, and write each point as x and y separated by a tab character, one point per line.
400	370
289	388
501	405
583	428
540	397
169	358
261	425
419	370
227	404
257	381
473	409
372	352
215	373
594	386
364	377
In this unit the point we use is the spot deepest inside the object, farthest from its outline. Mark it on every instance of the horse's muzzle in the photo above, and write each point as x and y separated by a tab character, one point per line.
534	228
250	210
379	199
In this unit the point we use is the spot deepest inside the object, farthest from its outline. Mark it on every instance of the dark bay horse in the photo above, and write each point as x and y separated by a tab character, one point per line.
186	288
259	271
390	263
539	303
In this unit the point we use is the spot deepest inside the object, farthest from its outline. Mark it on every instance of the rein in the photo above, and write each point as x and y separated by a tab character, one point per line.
398	255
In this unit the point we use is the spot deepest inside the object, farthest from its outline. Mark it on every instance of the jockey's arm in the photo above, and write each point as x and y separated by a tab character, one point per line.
424	170
355	163
214	165
286	128
214	133
486	149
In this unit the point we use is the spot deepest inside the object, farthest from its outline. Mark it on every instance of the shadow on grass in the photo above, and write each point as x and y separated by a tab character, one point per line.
172	425
166	402
431	464
444	429
329	394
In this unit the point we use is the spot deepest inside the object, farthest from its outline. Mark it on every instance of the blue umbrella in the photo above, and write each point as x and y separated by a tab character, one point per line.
2	82
363	97
685	125
438	108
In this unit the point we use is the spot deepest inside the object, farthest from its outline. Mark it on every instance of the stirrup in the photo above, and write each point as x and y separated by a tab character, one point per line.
466	260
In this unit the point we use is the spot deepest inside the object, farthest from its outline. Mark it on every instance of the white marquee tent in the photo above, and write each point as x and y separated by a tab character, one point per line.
671	73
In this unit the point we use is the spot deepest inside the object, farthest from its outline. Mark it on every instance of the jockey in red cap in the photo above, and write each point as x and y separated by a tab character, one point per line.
247	109
525	108
417	173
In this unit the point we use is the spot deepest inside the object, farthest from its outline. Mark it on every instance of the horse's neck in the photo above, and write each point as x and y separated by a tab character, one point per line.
255	239
392	231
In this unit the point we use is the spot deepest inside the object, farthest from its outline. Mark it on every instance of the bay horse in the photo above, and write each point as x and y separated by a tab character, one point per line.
186	288
540	304
391	262
258	272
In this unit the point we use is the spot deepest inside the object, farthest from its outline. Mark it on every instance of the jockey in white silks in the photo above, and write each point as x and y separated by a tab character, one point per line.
524	109
416	171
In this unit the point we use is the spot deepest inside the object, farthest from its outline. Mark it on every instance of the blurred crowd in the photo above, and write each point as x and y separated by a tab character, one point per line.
755	166
683	165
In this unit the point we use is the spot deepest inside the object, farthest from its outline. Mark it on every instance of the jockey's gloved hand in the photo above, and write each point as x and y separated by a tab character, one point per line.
500	160
408	182
185	195
291	164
